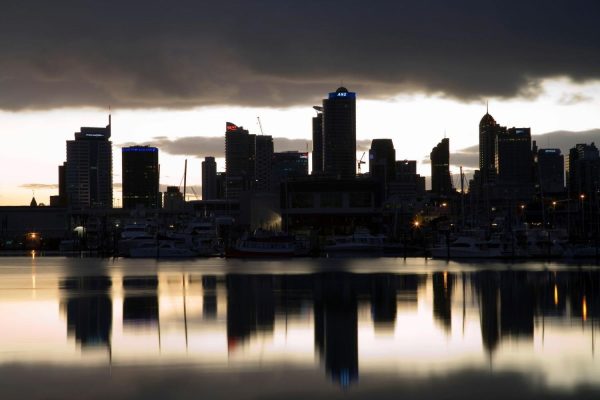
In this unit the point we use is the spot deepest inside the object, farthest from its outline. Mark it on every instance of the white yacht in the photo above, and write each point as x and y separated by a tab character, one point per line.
469	247
360	241
164	249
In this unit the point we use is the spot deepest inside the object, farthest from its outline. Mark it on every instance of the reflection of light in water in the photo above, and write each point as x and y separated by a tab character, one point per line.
555	295
445	280
584	309
33	254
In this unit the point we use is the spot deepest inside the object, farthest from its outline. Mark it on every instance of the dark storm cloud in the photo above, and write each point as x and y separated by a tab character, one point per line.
274	53
214	146
563	140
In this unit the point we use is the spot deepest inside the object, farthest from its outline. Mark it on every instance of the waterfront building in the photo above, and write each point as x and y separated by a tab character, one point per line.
441	183
317	141
209	179
288	164
488	132
262	163
339	134
514	162
382	160
140	173
407	184
240	148
583	170
88	172
550	171
173	199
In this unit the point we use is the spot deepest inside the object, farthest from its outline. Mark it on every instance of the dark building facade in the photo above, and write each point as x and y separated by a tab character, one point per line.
317	141
382	160
339	134
88	172
288	164
488	132
514	161
551	170
441	184
583	170
209	178
140	177
262	163
240	148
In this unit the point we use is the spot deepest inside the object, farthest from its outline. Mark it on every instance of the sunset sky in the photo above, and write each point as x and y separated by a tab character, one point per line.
174	73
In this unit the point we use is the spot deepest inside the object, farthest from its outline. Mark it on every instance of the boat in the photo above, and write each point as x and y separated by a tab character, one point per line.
263	244
470	247
164	249
360	242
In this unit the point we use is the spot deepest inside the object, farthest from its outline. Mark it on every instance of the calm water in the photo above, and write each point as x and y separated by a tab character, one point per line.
343	328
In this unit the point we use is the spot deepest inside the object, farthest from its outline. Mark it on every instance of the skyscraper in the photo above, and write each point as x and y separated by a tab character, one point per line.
488	131
239	159
441	183
382	159
583	170
89	168
209	178
551	170
140	177
514	160
262	163
317	141
339	134
288	164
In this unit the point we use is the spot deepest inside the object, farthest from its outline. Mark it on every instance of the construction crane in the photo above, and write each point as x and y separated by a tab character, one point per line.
260	126
361	162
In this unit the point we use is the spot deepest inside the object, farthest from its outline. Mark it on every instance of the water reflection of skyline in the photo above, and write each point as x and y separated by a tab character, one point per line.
271	317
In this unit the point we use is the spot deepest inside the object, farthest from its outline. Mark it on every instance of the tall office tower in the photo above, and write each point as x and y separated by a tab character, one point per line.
61	199
221	185
382	159
488	131
441	183
288	164
239	160
209	178
514	160
339	134
89	168
140	177
583	171
550	171
262	163
317	141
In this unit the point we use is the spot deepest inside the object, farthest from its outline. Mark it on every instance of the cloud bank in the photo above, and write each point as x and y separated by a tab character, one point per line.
214	146
276	53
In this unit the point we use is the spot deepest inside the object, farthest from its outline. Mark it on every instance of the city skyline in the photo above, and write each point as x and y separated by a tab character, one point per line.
430	71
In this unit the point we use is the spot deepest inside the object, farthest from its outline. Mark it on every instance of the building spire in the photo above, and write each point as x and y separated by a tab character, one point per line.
487	107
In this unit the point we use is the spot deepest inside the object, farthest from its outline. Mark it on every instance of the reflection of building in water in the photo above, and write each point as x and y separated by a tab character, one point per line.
486	283
209	297
336	326
250	306
383	301
516	305
442	298
140	303
88	309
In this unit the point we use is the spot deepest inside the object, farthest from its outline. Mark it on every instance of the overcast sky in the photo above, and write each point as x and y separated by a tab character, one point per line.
174	72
